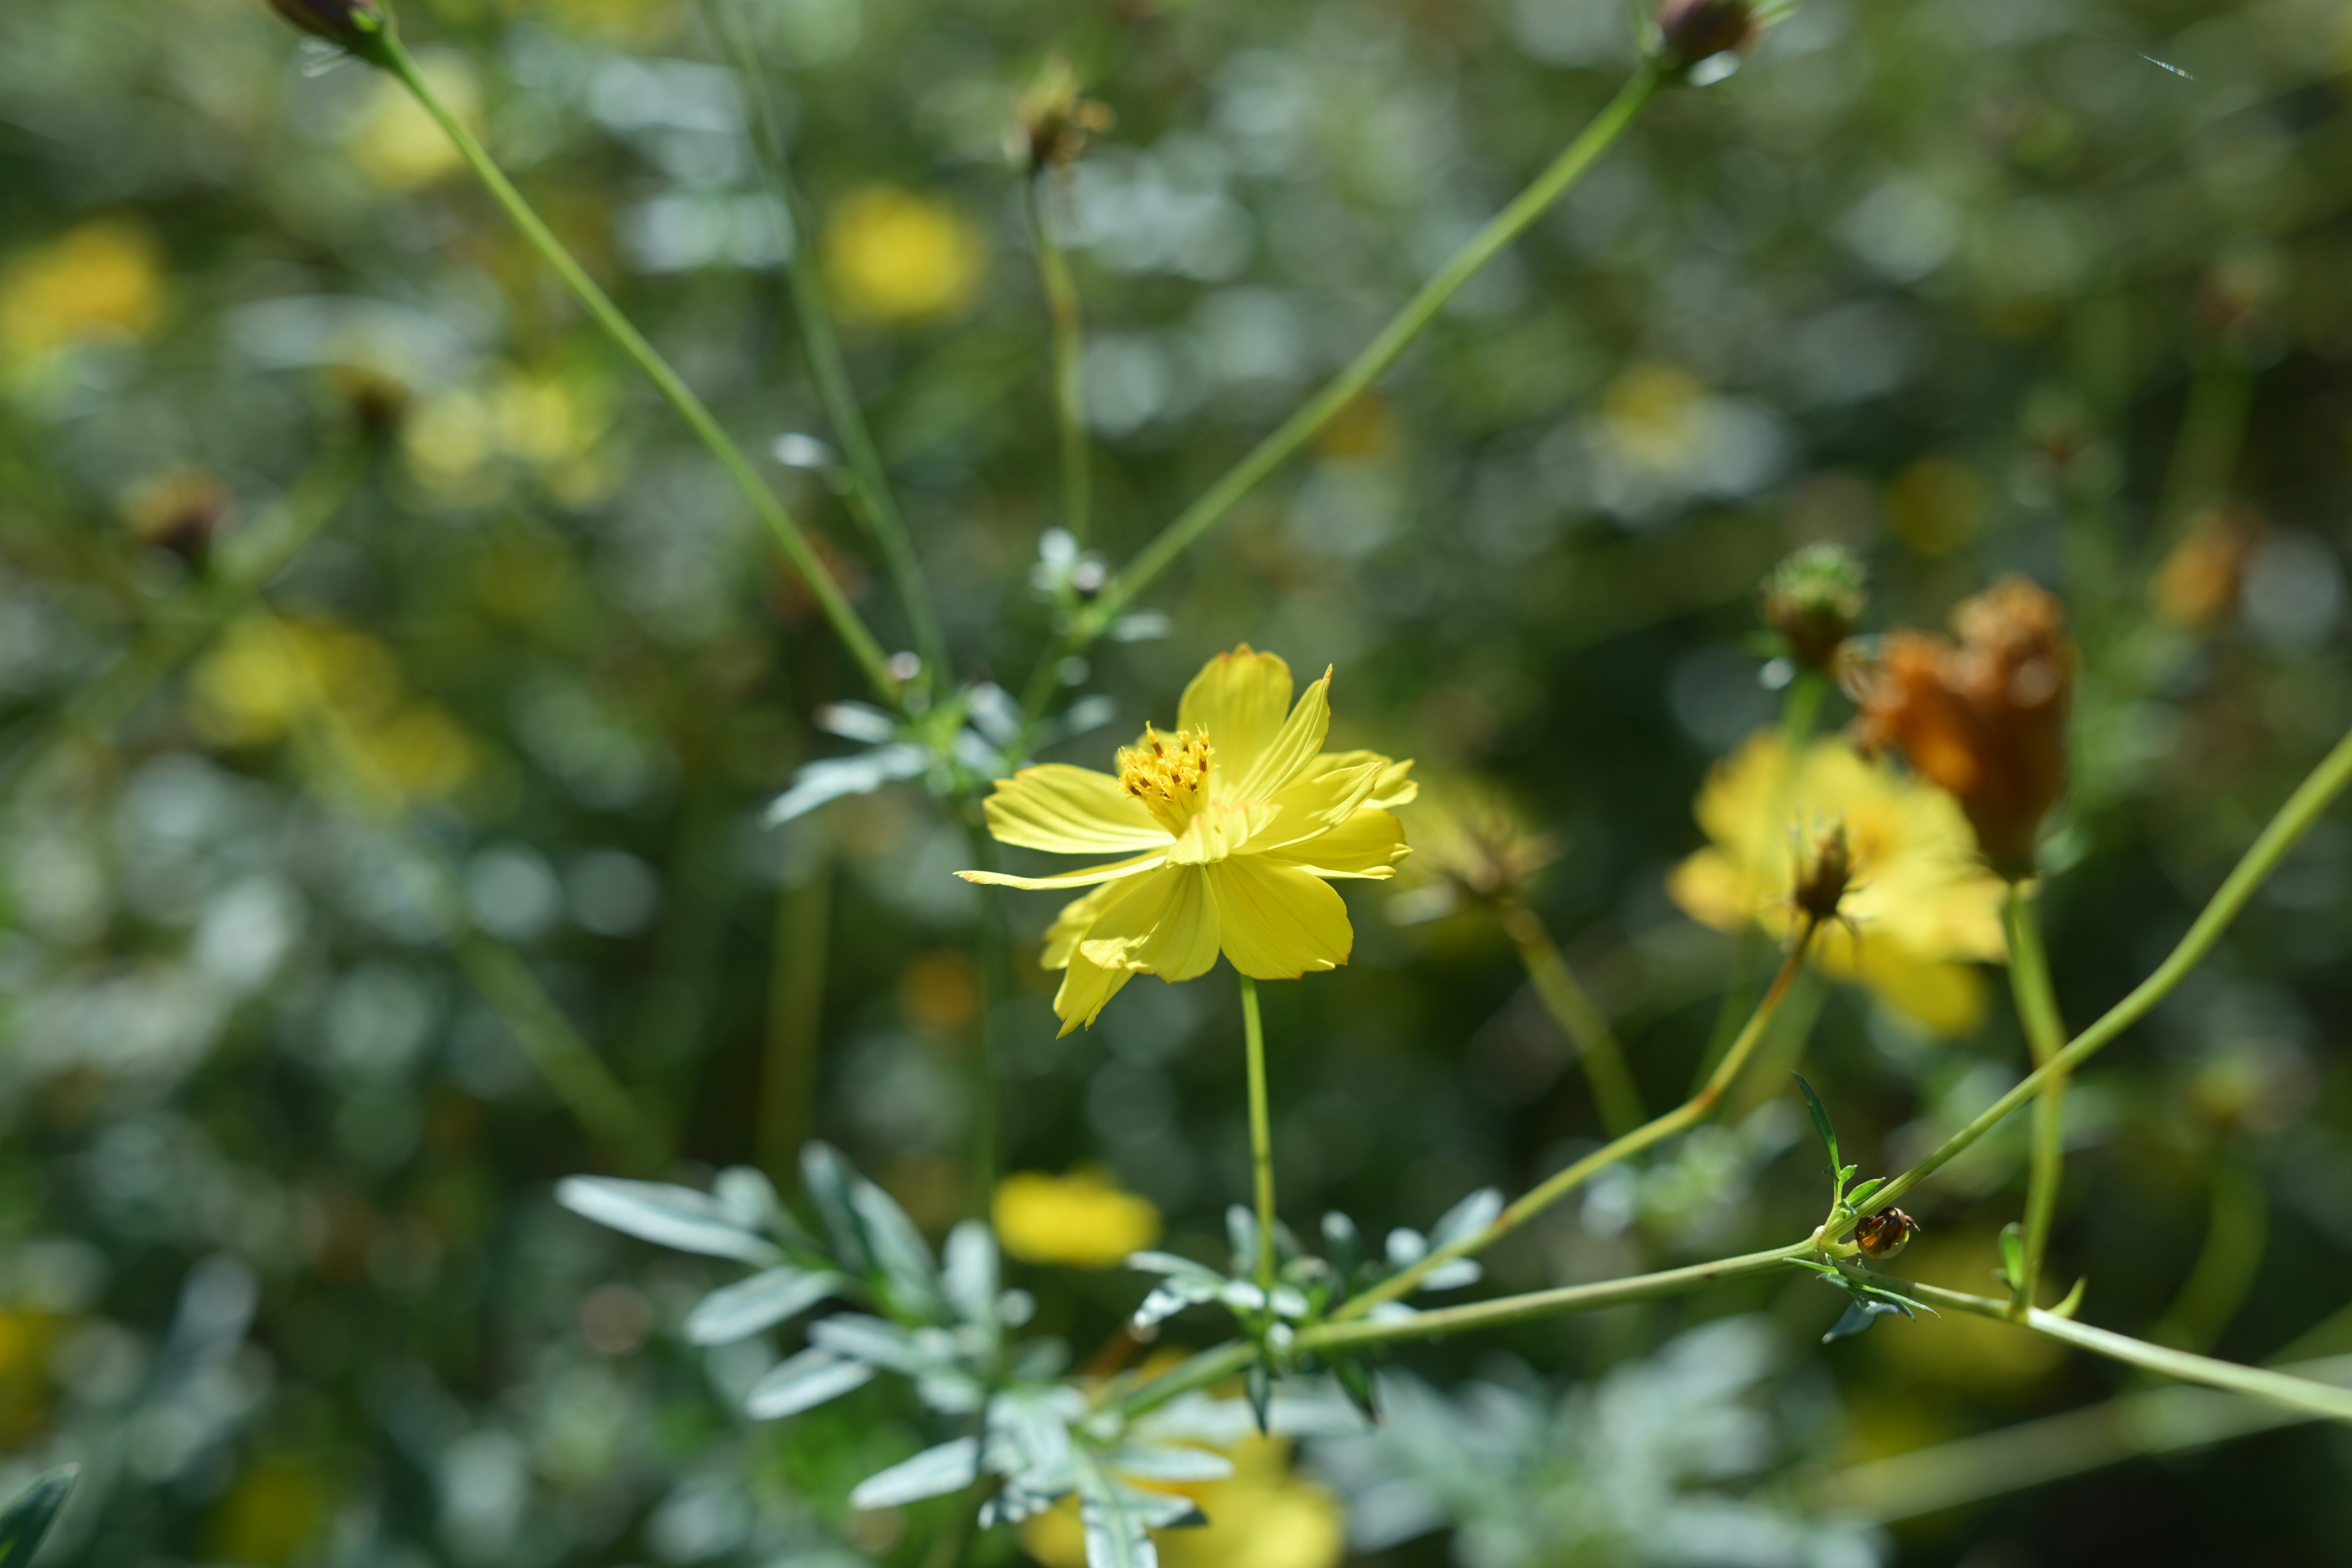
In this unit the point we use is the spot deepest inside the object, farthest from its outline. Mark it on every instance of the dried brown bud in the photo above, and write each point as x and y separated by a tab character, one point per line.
1984	719
1814	599
1690	31
1824	872
1056	121
356	25
179	513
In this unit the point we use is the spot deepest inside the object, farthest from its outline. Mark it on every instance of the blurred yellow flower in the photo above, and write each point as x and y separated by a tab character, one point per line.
274	1514
897	256
1263	1516
103	278
397	143
1653	414
1232	825
1082	1220
1471	844
553	423
1924	906
255	685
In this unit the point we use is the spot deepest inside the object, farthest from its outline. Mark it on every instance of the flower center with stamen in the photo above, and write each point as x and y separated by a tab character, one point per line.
1168	774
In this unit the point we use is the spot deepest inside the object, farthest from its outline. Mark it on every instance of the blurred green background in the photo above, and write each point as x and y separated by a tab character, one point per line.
2048	285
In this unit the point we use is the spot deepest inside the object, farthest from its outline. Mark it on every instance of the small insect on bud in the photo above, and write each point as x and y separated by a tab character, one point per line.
1886	1233
1054	121
1814	600
1690	31
1985	718
1824	872
356	25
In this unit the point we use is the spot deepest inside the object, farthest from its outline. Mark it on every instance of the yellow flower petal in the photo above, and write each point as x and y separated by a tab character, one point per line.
1368	843
1070	811
1240	700
1086	987
1062	936
1313	806
1292	748
1085	878
1714	889
1278	922
1943	997
1162	924
1082	1220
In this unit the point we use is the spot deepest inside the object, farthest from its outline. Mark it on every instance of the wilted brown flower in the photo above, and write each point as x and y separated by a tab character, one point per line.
1056	121
1690	31
1824	871
1984	719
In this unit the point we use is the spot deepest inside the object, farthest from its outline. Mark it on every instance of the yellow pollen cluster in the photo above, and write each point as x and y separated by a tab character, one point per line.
1168	774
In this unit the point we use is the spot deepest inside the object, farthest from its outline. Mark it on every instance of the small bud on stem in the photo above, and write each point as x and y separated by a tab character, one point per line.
1054	121
1690	31
358	25
1814	599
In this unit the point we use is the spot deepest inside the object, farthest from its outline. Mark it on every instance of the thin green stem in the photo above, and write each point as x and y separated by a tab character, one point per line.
2310	800
2045	1034
1261	1121
1069	345
2224	1271
1595	139
995	984
828	370
1539	1198
1597	1052
771	512
2255	1383
796	969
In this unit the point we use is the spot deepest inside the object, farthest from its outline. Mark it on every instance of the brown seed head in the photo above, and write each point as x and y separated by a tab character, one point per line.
356	25
181	513
1984	719
1692	30
1823	874
1056	121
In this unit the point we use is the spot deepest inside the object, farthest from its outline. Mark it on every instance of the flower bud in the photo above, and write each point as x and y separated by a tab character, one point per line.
1690	31
1824	871
180	514
356	25
1054	121
1814	599
1985	718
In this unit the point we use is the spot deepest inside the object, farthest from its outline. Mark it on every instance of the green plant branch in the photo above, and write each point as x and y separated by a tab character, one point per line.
1261	1123
1220	498
995	984
1541	1197
2225	1267
1573	1009
1069	345
796	969
2255	1383
2310	800
392	56
828	371
2045	1034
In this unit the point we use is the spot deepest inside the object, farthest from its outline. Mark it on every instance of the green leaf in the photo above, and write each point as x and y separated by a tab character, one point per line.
934	1472
668	1215
1260	1386
826	1177
803	1382
1861	1194
2073	1301
738	1311
899	1251
2013	1256
1856	1319
1358	1385
29	1514
1821	1115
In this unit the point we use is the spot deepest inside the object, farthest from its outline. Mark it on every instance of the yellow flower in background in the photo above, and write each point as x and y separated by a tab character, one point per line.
1231	824
897	256
1654	414
1472	845
101	279
1265	1515
1082	1220
398	145
255	686
1925	907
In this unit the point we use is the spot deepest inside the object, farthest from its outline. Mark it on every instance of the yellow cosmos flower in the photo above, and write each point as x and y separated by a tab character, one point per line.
1081	1221
1266	1515
897	256
1231	824
102	280
1925	907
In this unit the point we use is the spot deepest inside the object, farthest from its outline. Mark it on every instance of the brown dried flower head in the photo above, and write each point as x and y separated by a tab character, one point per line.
1984	718
1056	121
1824	872
179	513
1690	31
356	25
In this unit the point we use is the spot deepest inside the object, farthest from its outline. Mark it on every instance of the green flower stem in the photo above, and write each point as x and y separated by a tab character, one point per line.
2153	1421
1603	1058
796	1016
2045	1034
1335	1337
568	1064
995	984
1684	1116
1384	350
395	59
828	371
2255	1383
2224	1271
1261	1133
1069	345
2303	808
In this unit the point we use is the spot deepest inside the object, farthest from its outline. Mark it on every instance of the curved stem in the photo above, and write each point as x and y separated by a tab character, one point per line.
1069	345
2045	1034
995	984
2303	808
828	371
1685	1115
1261	1133
1595	139
771	512
1597	1050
